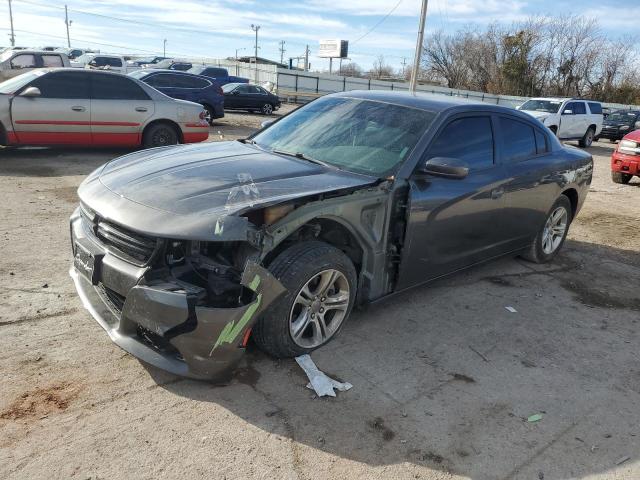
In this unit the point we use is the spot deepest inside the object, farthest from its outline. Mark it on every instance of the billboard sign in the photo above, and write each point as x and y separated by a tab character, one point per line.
333	49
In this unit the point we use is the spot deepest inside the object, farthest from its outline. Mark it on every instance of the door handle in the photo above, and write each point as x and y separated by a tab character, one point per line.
78	109
497	193
141	109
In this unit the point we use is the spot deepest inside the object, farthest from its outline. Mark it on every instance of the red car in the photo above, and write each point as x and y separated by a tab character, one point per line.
625	161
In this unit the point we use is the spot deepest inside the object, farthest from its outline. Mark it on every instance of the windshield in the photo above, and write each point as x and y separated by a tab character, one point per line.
164	64
361	136
549	106
16	83
622	117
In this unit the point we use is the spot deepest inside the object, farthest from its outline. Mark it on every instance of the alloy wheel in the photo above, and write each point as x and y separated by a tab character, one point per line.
554	230
319	308
267	109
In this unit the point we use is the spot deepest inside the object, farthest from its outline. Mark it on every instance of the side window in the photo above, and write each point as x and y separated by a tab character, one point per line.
242	89
157	81
570	106
595	107
23	61
469	139
579	108
215	72
52	61
186	81
113	62
254	89
541	142
115	87
63	85
519	141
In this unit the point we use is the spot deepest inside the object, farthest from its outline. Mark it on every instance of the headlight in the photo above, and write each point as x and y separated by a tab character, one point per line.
624	127
629	147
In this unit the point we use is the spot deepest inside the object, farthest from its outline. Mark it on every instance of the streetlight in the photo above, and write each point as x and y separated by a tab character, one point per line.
255	28
164	47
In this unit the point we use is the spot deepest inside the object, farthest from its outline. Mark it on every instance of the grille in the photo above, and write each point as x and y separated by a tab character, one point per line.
113	299
132	246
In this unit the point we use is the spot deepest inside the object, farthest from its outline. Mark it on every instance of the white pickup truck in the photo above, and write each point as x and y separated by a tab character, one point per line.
99	61
567	118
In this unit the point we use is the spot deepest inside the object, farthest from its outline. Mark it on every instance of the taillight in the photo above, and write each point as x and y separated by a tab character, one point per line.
220	90
203	115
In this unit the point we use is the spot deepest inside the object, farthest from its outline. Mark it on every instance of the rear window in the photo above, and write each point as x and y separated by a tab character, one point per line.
595	107
519	140
52	61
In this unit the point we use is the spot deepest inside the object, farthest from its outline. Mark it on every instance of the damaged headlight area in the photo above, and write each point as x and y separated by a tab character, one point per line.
214	267
189	310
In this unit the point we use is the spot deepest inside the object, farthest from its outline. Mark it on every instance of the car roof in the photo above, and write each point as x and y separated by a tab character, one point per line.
175	72
425	101
30	50
81	70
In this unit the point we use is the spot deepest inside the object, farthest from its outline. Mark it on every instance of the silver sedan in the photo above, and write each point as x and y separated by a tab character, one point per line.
90	107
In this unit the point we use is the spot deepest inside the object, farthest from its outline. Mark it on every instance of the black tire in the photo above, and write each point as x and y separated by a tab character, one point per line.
587	139
294	267
596	139
535	252
210	113
612	140
267	109
160	135
619	177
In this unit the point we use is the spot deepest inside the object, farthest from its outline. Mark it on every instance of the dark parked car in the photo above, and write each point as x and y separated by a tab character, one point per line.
183	253
619	123
186	86
242	96
172	64
221	75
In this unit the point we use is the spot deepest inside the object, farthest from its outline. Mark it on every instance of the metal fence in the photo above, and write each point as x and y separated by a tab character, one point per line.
300	87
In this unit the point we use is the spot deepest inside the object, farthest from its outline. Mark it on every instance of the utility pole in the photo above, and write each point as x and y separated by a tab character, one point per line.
282	50
66	22
164	47
404	65
13	37
306	59
237	50
255	28
418	55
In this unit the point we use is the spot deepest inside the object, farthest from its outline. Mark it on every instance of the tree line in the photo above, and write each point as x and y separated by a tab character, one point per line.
564	56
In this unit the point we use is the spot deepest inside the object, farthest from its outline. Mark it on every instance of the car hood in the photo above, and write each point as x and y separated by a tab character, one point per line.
537	114
183	191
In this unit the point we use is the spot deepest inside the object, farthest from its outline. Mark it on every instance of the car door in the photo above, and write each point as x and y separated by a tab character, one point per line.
59	115
236	98
570	121
454	223
531	186
19	63
119	109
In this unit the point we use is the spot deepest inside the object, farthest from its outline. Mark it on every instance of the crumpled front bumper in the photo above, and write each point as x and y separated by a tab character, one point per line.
178	335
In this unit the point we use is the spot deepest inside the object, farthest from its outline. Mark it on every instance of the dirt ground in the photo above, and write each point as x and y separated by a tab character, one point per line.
444	376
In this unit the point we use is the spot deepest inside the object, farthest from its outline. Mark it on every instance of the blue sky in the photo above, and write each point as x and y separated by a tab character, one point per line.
216	28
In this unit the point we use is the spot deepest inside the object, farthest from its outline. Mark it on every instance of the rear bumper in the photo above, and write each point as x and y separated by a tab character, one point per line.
629	164
162	323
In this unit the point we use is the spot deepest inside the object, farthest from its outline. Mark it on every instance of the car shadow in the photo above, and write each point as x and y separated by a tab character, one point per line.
446	378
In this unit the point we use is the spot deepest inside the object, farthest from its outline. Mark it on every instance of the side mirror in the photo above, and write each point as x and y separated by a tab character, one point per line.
446	167
567	112
31	92
266	123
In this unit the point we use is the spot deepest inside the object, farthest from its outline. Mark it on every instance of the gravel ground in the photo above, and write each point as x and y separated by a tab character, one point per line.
444	376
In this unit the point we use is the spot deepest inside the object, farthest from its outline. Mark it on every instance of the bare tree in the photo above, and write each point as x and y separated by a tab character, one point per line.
380	69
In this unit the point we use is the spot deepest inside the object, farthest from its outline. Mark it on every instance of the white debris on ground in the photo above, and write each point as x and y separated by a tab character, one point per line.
318	381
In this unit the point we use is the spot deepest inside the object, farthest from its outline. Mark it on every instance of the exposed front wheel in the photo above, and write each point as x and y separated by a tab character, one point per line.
321	289
551	237
210	114
587	139
267	109
619	177
160	135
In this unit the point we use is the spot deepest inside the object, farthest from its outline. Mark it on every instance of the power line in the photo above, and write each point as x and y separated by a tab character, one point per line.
379	23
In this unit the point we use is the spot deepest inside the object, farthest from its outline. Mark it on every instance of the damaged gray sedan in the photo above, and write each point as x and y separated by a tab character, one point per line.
184	253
